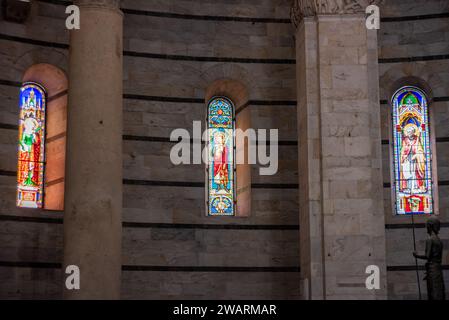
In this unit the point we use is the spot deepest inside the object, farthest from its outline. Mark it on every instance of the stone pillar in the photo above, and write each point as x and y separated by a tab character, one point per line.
342	227
93	190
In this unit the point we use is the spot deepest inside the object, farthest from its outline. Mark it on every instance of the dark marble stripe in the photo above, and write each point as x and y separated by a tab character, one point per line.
274	186
440	99
410	226
156	225
9	126
208	269
29	264
413	59
204	17
32	219
206	59
442	139
209	226
185	16
57	95
417	17
163	183
53	182
411	268
159	183
272	102
167	140
163	99
246	105
173	99
55	137
34	42
127	137
287	143
153	225
55	265
244	19
8	173
202	101
173	57
10	83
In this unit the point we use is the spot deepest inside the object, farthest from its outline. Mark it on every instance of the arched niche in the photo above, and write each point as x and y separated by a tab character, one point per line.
55	83
422	88
237	93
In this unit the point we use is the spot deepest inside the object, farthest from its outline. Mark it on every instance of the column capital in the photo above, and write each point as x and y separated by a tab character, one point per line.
107	4
309	8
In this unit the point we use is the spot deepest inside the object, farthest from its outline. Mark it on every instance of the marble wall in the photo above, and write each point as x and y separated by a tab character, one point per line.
174	50
170	248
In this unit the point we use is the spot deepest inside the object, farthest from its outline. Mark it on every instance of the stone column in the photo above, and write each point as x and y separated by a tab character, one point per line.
341	193
93	190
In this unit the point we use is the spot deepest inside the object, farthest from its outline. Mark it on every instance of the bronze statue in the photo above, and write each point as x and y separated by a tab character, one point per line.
433	255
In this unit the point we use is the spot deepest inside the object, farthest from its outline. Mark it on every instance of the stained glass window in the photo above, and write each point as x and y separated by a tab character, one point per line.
31	153
220	123
413	185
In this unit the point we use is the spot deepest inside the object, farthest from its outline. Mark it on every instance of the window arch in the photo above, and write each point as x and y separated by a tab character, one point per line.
413	165
31	153
221	157
42	138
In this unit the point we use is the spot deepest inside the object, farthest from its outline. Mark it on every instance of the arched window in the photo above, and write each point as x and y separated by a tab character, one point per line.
42	138
31	155
221	155
413	186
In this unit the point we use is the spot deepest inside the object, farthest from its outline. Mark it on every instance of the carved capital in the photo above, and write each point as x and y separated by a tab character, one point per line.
308	8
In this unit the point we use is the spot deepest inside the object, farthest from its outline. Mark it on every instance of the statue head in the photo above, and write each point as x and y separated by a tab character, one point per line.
220	138
433	225
410	130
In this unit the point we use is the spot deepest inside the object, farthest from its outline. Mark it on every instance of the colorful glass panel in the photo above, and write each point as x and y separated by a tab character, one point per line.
412	152
31	153
221	157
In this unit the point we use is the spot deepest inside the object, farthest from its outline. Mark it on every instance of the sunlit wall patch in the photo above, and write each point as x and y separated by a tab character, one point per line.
31	146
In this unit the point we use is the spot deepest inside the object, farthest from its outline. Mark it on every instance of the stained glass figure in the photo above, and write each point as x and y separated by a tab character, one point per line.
412	152
31	153
220	121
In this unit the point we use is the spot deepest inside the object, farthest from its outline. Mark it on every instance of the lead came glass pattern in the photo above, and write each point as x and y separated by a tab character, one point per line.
412	152
31	153
220	122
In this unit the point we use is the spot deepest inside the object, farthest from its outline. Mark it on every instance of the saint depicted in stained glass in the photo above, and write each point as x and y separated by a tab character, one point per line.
221	157
30	171
412	152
